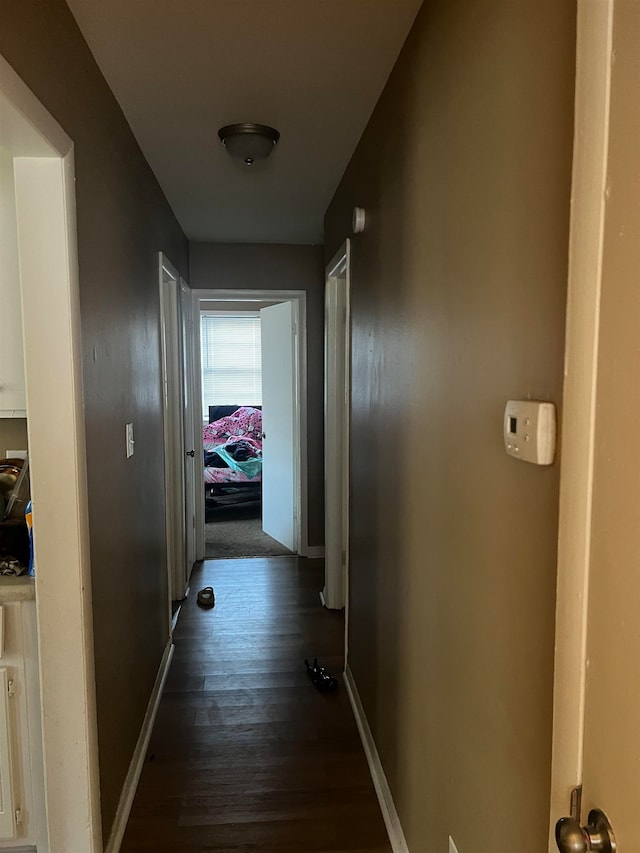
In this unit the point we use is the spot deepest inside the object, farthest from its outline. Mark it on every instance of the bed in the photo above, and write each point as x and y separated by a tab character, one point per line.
232	443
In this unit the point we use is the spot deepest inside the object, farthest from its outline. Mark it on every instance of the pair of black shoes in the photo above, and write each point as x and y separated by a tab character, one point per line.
323	680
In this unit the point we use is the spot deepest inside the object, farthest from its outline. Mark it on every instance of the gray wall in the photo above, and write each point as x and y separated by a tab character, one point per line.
237	266
13	435
458	305
123	221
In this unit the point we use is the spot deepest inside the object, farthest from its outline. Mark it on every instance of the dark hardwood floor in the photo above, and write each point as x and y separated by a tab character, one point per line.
246	754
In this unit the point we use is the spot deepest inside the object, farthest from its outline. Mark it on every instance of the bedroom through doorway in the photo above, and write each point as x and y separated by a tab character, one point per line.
248	397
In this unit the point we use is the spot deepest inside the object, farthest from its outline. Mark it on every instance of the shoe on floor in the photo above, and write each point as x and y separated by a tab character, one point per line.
206	597
323	680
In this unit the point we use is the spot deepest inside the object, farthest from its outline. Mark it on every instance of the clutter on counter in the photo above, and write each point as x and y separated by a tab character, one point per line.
16	550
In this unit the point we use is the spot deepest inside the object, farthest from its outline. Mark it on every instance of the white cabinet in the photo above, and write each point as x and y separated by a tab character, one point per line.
22	809
12	385
8	798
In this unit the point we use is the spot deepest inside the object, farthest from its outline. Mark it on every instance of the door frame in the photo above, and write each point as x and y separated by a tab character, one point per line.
47	234
589	180
187	372
337	385
173	429
298	298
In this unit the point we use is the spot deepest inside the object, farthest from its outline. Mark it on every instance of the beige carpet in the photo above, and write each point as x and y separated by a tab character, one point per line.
236	531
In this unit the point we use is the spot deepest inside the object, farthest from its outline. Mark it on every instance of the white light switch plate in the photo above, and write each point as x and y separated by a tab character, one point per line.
452	846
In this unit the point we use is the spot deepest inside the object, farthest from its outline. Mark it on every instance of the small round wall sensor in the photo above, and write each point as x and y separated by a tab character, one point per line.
359	220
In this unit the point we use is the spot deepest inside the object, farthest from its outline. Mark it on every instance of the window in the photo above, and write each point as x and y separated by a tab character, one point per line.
231	359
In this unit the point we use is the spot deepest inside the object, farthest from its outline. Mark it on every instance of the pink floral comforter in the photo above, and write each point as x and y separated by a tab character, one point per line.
245	424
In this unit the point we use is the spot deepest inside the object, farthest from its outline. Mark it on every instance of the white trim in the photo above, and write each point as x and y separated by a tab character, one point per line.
45	203
593	79
197	427
273	296
132	779
337	419
385	798
300	507
176	615
187	413
173	429
239	312
299	300
346	458
313	552
26	122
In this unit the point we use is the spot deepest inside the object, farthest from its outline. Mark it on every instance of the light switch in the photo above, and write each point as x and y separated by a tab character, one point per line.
129	439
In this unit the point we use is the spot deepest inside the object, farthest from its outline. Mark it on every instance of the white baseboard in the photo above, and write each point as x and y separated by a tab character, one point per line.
176	615
387	806
314	552
137	760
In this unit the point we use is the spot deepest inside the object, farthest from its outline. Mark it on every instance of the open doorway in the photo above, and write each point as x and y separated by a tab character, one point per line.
232	432
251	358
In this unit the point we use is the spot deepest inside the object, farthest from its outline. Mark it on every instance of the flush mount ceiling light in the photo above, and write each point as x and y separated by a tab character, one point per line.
249	142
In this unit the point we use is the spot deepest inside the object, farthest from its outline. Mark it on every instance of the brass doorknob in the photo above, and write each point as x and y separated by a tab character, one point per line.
570	836
597	835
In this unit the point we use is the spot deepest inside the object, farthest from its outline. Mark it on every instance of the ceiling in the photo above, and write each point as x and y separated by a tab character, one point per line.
181	69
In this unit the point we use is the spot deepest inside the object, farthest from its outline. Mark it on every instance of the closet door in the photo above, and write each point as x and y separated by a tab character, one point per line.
7	799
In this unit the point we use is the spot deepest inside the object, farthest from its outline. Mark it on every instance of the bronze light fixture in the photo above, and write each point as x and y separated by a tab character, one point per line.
249	142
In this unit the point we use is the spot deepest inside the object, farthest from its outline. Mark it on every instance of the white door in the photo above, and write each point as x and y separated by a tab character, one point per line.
278	395
336	430
188	408
597	693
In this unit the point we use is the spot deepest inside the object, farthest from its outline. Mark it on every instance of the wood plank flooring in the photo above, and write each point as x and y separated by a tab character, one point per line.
245	754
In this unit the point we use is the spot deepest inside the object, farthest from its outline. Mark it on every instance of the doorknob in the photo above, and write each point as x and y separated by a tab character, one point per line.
263	436
597	835
190	453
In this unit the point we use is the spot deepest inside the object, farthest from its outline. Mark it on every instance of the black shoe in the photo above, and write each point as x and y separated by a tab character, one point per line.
323	680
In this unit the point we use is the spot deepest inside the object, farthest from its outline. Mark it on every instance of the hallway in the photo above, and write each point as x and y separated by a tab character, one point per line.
246	754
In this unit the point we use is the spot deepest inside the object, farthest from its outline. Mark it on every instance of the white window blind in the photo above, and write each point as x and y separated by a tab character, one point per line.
231	360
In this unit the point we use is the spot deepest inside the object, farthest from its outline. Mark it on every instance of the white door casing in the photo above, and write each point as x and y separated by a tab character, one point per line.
203	300
198	444
46	231
189	402
337	401
596	739
278	399
172	399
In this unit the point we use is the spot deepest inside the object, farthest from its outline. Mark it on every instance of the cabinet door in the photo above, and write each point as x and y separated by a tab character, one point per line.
7	799
12	388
